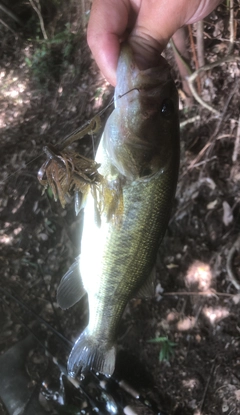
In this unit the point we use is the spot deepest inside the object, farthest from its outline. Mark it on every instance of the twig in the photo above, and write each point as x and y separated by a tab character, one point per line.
200	45
8	27
10	14
207	148
236	150
37	8
189	121
231	275
212	65
220	137
208	67
199	99
231	28
179	43
83	14
221	38
199	156
207	385
200	293
200	50
225	108
205	161
194	58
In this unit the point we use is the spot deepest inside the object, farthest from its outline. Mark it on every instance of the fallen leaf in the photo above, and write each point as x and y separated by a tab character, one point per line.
212	204
171	266
236	299
237	394
227	214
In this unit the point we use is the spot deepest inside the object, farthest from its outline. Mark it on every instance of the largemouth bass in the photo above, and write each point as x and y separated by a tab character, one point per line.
126	217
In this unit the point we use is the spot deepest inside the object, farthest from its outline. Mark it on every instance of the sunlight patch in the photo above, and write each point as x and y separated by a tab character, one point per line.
215	314
186	323
100	95
190	383
12	92
6	239
199	276
19	204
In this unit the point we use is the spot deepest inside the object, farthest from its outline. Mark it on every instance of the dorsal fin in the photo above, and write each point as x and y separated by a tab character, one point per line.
70	289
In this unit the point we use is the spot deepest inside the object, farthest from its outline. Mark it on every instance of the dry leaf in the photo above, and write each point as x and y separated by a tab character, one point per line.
227	214
171	266
237	394
236	299
212	204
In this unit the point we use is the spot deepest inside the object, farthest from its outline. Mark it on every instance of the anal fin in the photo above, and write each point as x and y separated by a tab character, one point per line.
70	289
147	289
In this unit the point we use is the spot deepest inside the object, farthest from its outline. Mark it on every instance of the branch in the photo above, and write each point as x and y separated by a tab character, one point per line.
8	27
200	44
189	121
236	150
229	265
231	28
194	57
10	14
37	8
207	67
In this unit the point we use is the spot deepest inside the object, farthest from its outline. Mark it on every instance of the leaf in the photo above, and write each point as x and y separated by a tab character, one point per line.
158	340
227	214
166	347
212	204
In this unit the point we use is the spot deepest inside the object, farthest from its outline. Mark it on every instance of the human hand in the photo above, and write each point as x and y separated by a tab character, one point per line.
151	23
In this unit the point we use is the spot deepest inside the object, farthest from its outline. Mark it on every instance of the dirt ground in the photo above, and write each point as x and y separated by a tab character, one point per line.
48	88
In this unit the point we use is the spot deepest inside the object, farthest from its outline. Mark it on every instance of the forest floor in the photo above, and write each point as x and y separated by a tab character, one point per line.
48	88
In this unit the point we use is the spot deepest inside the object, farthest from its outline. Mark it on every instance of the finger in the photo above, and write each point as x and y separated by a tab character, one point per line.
107	25
156	22
205	7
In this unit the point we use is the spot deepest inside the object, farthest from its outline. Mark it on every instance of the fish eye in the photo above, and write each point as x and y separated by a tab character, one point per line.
167	108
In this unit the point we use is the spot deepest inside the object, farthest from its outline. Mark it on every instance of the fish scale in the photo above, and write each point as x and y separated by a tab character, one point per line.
139	160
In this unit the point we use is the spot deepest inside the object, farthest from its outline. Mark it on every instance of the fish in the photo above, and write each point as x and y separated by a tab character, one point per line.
127	214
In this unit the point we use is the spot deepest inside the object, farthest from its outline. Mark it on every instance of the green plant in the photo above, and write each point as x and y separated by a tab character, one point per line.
166	350
50	57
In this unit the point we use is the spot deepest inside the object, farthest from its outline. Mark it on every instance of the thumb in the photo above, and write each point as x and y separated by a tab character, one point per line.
156	23
145	48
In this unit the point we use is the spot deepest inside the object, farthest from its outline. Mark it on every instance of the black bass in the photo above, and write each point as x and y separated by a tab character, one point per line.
126	217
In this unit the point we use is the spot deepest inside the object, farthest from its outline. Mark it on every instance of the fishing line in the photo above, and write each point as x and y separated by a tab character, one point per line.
93	146
149	403
39	318
61	366
65	138
75	132
19	319
21	168
57	321
125	93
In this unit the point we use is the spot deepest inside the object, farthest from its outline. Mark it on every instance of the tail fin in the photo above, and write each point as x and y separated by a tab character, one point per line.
87	353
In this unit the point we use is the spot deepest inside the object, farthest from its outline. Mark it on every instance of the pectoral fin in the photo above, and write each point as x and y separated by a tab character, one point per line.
147	289
70	289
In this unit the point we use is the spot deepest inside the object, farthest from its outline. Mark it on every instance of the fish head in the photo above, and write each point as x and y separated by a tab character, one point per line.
143	131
